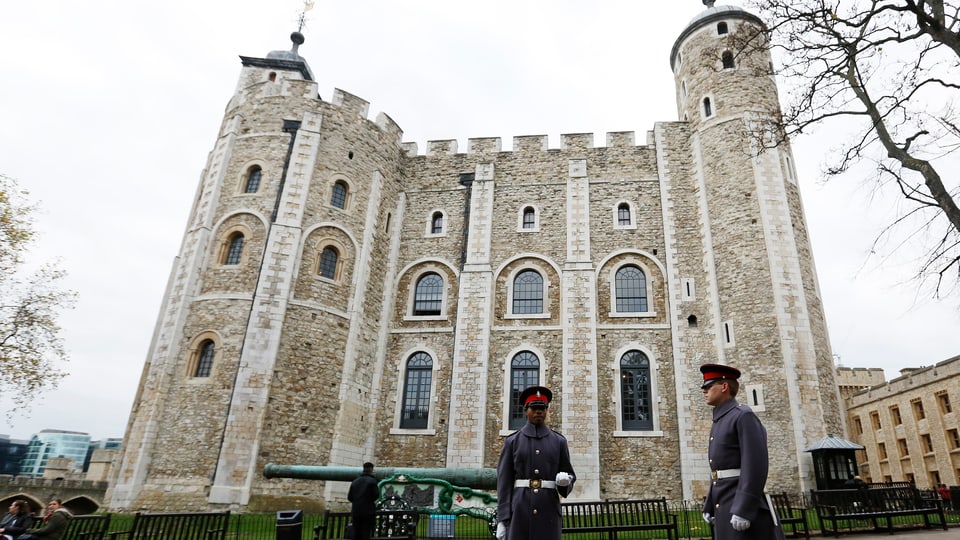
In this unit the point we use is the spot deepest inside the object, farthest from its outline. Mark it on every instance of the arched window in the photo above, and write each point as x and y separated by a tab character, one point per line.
623	215
524	372
707	107
722	28
529	218
727	58
428	295
328	262
635	397
205	359
528	293
253	180
235	249
631	289
416	392
436	223
339	196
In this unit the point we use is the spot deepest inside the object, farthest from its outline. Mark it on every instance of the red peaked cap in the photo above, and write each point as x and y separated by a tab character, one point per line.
717	372
535	396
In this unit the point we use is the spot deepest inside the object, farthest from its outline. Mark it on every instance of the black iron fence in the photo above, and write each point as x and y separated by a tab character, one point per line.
690	524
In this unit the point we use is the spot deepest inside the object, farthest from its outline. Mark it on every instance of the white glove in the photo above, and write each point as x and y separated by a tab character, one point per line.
563	479
739	524
707	517
501	530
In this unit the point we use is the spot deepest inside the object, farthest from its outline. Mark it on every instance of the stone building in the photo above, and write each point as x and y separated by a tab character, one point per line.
910	427
340	296
851	381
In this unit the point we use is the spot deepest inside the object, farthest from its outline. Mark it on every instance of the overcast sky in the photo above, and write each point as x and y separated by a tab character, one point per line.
109	108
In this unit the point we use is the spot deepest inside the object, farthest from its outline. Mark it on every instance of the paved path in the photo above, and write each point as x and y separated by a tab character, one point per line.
920	534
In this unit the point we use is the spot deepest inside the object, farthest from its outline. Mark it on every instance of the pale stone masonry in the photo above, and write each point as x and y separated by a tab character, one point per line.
362	301
909	426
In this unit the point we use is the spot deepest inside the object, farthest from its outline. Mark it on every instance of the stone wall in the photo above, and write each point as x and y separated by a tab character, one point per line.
909	427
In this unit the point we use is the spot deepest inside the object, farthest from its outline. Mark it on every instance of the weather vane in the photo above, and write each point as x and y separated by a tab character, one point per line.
307	6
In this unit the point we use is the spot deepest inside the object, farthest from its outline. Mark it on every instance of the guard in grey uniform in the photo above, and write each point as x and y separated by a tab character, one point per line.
736	504
534	472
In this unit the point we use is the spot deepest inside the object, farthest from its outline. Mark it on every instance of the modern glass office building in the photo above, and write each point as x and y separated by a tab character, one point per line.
54	443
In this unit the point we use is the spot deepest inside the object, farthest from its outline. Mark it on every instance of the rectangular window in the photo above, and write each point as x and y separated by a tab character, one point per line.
902	446
934	478
895	415
918	413
943	400
882	451
927	443
875	420
858	425
953	438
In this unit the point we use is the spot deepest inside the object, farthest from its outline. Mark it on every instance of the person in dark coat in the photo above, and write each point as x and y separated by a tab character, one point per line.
55	522
16	521
533	473
363	494
736	504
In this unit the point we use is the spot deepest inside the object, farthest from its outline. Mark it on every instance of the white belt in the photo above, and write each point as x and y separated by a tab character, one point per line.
725	473
535	483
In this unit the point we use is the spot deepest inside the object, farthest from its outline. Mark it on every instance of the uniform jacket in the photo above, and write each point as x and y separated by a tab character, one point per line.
532	452
739	441
363	494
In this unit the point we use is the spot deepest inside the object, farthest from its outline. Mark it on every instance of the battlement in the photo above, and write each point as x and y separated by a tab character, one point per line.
911	379
526	144
358	107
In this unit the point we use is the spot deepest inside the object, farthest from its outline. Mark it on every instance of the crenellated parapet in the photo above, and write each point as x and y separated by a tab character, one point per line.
527	144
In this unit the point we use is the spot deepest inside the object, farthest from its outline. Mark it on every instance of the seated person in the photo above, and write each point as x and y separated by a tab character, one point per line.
55	521
16	521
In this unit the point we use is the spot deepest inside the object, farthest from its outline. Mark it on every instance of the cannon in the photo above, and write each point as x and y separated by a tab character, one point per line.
483	478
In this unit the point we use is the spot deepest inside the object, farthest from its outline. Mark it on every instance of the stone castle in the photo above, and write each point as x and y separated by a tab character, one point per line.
340	296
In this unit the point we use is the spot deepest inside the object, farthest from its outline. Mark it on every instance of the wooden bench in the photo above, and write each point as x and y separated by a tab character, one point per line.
184	526
876	504
795	518
613	517
387	524
83	527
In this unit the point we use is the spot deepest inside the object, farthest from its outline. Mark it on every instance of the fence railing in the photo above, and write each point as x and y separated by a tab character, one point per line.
690	524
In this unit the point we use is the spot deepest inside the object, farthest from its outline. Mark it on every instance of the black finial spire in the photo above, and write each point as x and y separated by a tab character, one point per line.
709	3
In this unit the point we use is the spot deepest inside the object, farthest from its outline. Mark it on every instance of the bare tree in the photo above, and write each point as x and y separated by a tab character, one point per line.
890	71
30	301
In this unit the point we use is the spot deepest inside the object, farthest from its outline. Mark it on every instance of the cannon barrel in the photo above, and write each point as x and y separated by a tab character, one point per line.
472	478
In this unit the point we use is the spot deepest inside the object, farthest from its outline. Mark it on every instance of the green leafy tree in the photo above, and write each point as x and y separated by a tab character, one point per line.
30	301
890	71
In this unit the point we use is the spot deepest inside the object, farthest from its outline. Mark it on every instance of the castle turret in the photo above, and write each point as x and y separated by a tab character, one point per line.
762	298
273	302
